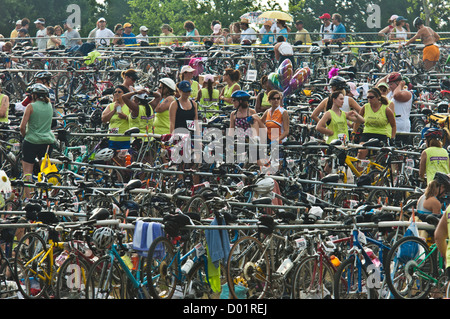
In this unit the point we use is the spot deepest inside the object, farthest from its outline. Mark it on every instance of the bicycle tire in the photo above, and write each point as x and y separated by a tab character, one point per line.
35	269
404	280
71	279
248	269
306	280
197	205
342	289
112	284
162	269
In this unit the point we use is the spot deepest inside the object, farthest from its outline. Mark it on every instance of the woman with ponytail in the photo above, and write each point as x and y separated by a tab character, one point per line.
209	95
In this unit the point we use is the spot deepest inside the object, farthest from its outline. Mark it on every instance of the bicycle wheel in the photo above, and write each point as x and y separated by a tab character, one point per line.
351	281
35	265
198	205
312	280
248	269
200	284
71	280
409	269
162	269
105	280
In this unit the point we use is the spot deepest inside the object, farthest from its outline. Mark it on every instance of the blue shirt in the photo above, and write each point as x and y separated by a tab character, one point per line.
268	38
285	33
131	40
339	32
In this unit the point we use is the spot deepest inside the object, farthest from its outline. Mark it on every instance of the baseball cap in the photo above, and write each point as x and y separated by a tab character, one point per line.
325	16
353	89
187	68
208	77
19	22
393	77
184	86
101	19
143	28
127	25
401	18
268	22
393	17
40	20
383	84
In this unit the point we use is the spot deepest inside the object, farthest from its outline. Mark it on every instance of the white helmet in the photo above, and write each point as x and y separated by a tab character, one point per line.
169	83
103	237
316	211
265	185
314	49
105	154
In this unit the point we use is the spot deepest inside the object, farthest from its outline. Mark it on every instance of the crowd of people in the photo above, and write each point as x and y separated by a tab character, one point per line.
174	105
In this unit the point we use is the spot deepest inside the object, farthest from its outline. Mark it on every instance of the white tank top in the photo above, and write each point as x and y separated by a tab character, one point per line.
346	106
402	112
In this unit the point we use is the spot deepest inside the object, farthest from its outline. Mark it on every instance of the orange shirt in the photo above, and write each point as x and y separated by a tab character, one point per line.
274	122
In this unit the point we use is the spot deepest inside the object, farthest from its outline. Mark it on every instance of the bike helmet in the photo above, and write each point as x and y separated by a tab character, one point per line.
43	75
103	237
433	133
314	49
169	83
265	185
417	22
338	82
105	154
240	95
393	77
39	89
442	179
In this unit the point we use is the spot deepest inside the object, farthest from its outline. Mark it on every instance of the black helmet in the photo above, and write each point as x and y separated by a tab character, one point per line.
417	21
339	82
442	179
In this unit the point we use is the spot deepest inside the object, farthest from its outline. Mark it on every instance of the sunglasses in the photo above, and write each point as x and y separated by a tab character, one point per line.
276	98
370	97
117	91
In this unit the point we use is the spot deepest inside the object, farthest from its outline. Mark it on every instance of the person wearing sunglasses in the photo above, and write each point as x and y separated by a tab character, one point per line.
378	119
129	78
276	119
116	114
333	123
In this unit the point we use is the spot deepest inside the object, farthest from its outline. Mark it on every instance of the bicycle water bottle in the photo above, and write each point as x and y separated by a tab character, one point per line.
335	261
187	266
127	159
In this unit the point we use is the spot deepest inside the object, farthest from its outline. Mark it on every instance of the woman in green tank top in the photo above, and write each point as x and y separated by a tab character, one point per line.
207	96
378	117
36	128
262	100
231	78
333	123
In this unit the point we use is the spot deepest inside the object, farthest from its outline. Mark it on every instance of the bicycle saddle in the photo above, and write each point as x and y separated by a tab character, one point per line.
426	112
372	142
336	142
133	184
262	201
310	143
330	178
99	214
133	130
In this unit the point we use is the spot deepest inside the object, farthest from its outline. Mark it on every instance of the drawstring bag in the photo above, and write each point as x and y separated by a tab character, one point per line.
46	168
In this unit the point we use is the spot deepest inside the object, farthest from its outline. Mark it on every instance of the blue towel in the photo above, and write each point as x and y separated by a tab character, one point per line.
218	243
144	234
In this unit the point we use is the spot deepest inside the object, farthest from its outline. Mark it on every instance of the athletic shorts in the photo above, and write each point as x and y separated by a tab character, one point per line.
431	53
119	145
30	151
367	136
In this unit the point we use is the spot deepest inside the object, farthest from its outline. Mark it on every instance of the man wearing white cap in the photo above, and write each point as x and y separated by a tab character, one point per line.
103	35
15	32
142	36
41	34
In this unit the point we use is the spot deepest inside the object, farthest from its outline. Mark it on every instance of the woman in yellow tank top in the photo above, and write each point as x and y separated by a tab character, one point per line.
334	122
208	95
262	100
378	117
187	74
4	107
231	78
161	124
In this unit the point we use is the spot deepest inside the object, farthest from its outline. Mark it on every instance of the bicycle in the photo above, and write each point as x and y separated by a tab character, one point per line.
181	269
